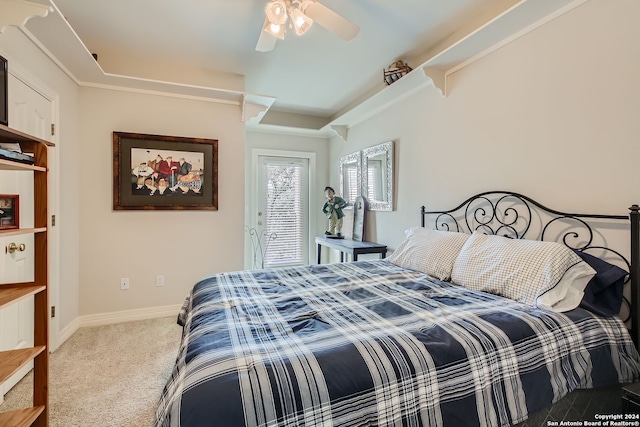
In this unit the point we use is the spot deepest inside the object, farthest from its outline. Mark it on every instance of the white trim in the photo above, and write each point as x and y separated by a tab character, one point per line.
66	333
376	101
280	130
117	317
158	92
259	152
20	11
30	79
129	315
50	55
516	36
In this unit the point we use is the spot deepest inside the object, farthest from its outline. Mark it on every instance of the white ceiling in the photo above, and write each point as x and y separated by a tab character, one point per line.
317	74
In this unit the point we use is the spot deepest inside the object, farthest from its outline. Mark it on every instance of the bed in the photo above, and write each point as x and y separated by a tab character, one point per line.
470	322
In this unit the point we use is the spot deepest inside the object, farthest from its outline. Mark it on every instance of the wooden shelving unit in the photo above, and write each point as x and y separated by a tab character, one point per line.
14	360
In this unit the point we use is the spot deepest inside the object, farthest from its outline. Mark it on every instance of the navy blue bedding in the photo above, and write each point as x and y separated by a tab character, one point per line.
369	343
604	293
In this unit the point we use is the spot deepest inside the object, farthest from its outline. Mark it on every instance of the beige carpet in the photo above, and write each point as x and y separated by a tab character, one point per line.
107	376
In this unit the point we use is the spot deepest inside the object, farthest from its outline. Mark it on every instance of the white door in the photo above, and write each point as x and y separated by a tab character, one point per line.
280	226
30	112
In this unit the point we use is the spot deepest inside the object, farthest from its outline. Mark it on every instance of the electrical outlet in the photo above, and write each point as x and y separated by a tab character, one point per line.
124	283
159	280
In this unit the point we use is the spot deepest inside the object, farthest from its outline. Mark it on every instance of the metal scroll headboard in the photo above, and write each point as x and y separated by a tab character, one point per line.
517	216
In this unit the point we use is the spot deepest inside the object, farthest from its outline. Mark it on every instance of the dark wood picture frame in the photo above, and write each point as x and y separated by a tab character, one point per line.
9	211
157	172
4	89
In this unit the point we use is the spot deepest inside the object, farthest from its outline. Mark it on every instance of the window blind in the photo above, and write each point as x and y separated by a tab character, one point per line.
351	175
374	179
285	216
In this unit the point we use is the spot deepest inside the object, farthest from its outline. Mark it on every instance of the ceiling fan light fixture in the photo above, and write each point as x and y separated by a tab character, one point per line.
301	22
274	29
276	11
300	15
305	4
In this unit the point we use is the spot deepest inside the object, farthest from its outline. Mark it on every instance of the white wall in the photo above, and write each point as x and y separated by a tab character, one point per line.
98	245
184	246
553	115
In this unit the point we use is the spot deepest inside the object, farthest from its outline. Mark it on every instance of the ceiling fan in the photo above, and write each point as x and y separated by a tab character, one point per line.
300	15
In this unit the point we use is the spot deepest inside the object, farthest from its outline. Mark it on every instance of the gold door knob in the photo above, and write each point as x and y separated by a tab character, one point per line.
12	247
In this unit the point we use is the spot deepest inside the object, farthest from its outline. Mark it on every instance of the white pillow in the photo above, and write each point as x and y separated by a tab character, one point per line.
431	252
544	274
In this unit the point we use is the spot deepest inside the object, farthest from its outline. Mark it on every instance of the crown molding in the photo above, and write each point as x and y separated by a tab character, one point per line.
506	22
17	12
501	24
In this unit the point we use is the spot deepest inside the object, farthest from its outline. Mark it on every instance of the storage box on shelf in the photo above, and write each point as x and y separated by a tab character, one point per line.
14	360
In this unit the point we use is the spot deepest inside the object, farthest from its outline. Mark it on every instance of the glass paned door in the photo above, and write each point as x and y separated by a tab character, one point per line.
283	212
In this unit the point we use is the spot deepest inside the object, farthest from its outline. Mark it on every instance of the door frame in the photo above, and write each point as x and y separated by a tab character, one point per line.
251	219
53	237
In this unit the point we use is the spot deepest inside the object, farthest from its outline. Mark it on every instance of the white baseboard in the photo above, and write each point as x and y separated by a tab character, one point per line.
117	317
129	315
66	333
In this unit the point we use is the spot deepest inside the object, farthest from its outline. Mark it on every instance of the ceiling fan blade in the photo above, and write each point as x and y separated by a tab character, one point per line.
331	20
266	41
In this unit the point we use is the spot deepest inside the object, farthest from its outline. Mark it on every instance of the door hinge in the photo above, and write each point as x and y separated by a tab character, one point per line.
53	129
53	220
53	311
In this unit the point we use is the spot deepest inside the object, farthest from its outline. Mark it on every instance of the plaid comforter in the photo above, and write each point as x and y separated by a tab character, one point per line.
371	344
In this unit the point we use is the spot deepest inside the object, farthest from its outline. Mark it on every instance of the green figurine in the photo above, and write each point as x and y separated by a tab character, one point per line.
332	208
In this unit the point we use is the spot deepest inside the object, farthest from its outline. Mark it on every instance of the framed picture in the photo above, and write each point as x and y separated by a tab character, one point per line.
4	99
9	211
154	172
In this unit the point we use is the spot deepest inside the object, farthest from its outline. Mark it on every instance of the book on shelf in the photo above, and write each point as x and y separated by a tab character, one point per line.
16	156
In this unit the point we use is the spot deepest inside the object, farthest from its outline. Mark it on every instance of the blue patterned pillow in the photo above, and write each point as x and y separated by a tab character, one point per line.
603	294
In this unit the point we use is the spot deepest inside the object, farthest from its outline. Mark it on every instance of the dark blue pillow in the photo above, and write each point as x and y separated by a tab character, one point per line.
603	294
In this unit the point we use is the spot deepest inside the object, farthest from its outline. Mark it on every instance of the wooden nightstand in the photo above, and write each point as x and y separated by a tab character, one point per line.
631	398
